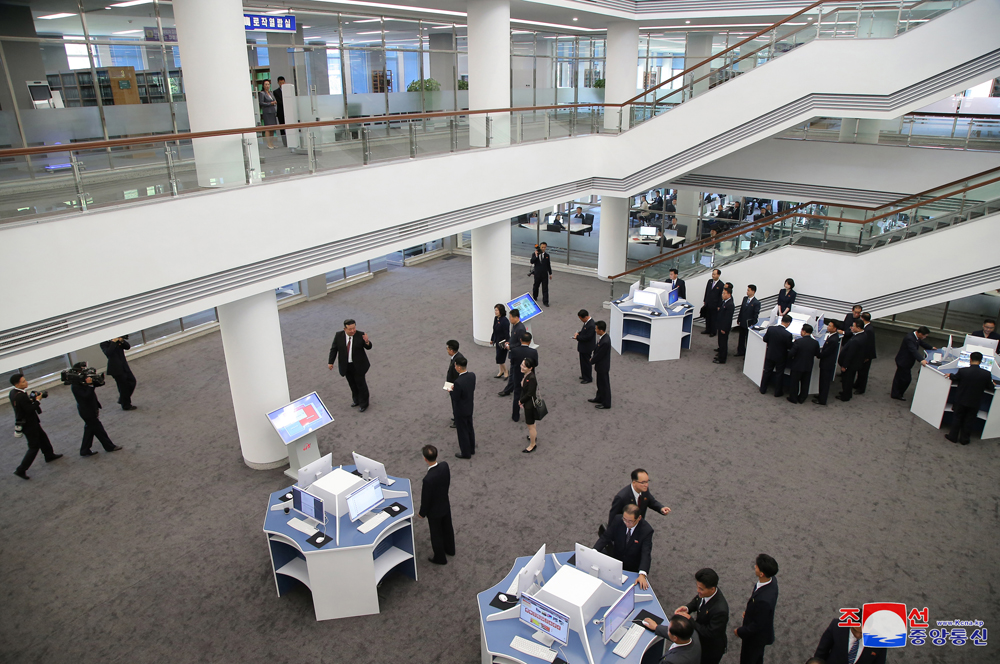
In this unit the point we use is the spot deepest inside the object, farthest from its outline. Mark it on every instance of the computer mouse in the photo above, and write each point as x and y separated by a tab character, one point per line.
320	539
288	496
395	508
503	598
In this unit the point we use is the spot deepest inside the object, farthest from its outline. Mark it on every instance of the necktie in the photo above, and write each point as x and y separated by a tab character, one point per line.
630	533
703	600
349	340
853	654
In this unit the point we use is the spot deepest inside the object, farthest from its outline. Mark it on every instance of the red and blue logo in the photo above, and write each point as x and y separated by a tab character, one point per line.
883	625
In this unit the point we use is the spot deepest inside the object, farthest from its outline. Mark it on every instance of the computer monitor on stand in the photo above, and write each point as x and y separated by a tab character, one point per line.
550	625
369	468
595	563
309	506
363	500
311	472
616	617
531	574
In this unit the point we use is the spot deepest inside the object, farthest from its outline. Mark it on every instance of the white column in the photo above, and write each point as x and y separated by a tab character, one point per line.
490	275
621	72
213	48
854	130
255	362
489	69
697	47
612	244
687	212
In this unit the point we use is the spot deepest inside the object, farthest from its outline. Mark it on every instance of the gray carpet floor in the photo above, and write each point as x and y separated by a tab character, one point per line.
156	554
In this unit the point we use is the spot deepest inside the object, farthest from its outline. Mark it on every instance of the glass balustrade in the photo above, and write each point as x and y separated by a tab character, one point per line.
957	132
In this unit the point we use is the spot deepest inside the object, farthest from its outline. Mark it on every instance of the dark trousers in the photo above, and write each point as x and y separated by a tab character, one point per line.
586	368
825	380
466	435
847	383
962	419
741	345
515	413
514	379
92	427
709	314
543	281
723	346
126	386
604	388
37	440
752	653
442	537
359	387
901	381
800	385
773	368
861	381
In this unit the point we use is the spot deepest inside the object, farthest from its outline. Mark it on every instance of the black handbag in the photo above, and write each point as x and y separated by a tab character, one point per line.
541	410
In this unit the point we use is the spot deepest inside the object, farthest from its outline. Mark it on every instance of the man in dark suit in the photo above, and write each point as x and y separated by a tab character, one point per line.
713	296
713	616
910	352
747	318
849	319
845	645
828	353
26	411
89	408
601	359
685	644
349	350
118	369
637	493
631	541
518	355
757	630
280	100
586	342
678	283
861	382
989	330
804	352
852	356
435	506
451	347
542	265
971	383
517	332
778	340
463	394
724	325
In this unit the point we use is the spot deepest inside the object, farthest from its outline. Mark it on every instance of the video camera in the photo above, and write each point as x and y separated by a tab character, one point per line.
35	396
79	374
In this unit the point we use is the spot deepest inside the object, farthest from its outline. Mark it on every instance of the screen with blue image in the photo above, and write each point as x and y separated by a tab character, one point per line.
301	417
526	306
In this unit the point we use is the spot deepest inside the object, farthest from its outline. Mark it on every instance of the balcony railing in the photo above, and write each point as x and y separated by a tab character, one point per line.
925	130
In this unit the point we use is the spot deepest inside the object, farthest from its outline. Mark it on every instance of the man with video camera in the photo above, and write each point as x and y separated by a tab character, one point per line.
26	410
541	267
82	382
119	370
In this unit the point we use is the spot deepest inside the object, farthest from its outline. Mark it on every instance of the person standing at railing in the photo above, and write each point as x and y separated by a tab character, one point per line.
268	111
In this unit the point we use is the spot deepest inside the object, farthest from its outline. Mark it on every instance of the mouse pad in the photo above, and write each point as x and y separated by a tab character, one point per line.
326	539
646	614
559	660
285	496
572	560
388	509
497	603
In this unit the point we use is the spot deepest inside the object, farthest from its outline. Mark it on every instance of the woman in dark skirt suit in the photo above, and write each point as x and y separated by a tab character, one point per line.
268	111
529	388
786	298
501	333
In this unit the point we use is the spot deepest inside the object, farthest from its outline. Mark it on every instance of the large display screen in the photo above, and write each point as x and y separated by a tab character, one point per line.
301	417
526	306
545	619
619	612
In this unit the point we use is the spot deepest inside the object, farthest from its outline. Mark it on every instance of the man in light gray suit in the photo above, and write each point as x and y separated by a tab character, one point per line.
685	647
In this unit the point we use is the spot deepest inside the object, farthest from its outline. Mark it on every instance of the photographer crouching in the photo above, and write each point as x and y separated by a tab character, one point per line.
83	381
26	410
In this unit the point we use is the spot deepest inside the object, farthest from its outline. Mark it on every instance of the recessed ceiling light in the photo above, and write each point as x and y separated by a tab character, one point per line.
373	32
126	32
52	16
575	18
276	12
395	7
687	21
131	3
367	20
306	27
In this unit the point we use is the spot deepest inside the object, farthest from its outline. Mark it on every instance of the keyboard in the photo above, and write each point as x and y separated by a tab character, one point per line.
628	641
533	649
373	522
302	526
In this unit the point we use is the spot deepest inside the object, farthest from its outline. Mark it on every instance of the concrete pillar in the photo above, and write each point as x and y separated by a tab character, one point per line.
313	287
854	130
489	70
218	95
442	65
697	47
24	59
621	71
687	212
255	361
612	244
490	275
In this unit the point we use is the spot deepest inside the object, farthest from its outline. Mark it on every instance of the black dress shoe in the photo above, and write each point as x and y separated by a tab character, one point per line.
899	398
54	457
593	400
859	391
438	562
22	475
706	332
452	426
88	453
947	437
362	409
584	382
818	402
601	406
503	393
354	404
840	398
739	354
717	361
130	408
114	449
600	530
793	400
966	442
459	456
515	418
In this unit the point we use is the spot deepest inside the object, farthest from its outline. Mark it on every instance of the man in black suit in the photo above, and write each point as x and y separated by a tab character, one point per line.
828	353
852	356
804	351
349	350
989	330
685	644
517	332
678	283
601	360
631	541
757	630
845	645
724	325
747	318
637	493
118	369
518	355
713	296
971	383
26	411
435	506
849	319
463	395
542	265
861	382
280	100
778	340
586	342
451	347
713	616
90	411
910	352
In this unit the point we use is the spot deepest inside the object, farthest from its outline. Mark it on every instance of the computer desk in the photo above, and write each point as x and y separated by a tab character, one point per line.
342	579
933	393
753	362
495	636
660	337
576	228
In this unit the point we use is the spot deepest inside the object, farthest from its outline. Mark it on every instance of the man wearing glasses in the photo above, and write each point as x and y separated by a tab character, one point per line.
637	493
631	541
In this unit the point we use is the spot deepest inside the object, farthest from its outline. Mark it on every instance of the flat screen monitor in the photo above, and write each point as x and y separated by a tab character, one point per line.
299	418
373	468
545	619
311	472
618	613
595	563
308	505
39	91
795	327
673	296
365	499
531	572
526	307
647	231
985	363
645	298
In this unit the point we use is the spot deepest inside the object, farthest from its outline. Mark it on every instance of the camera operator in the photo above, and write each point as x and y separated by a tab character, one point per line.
119	370
26	410
90	409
